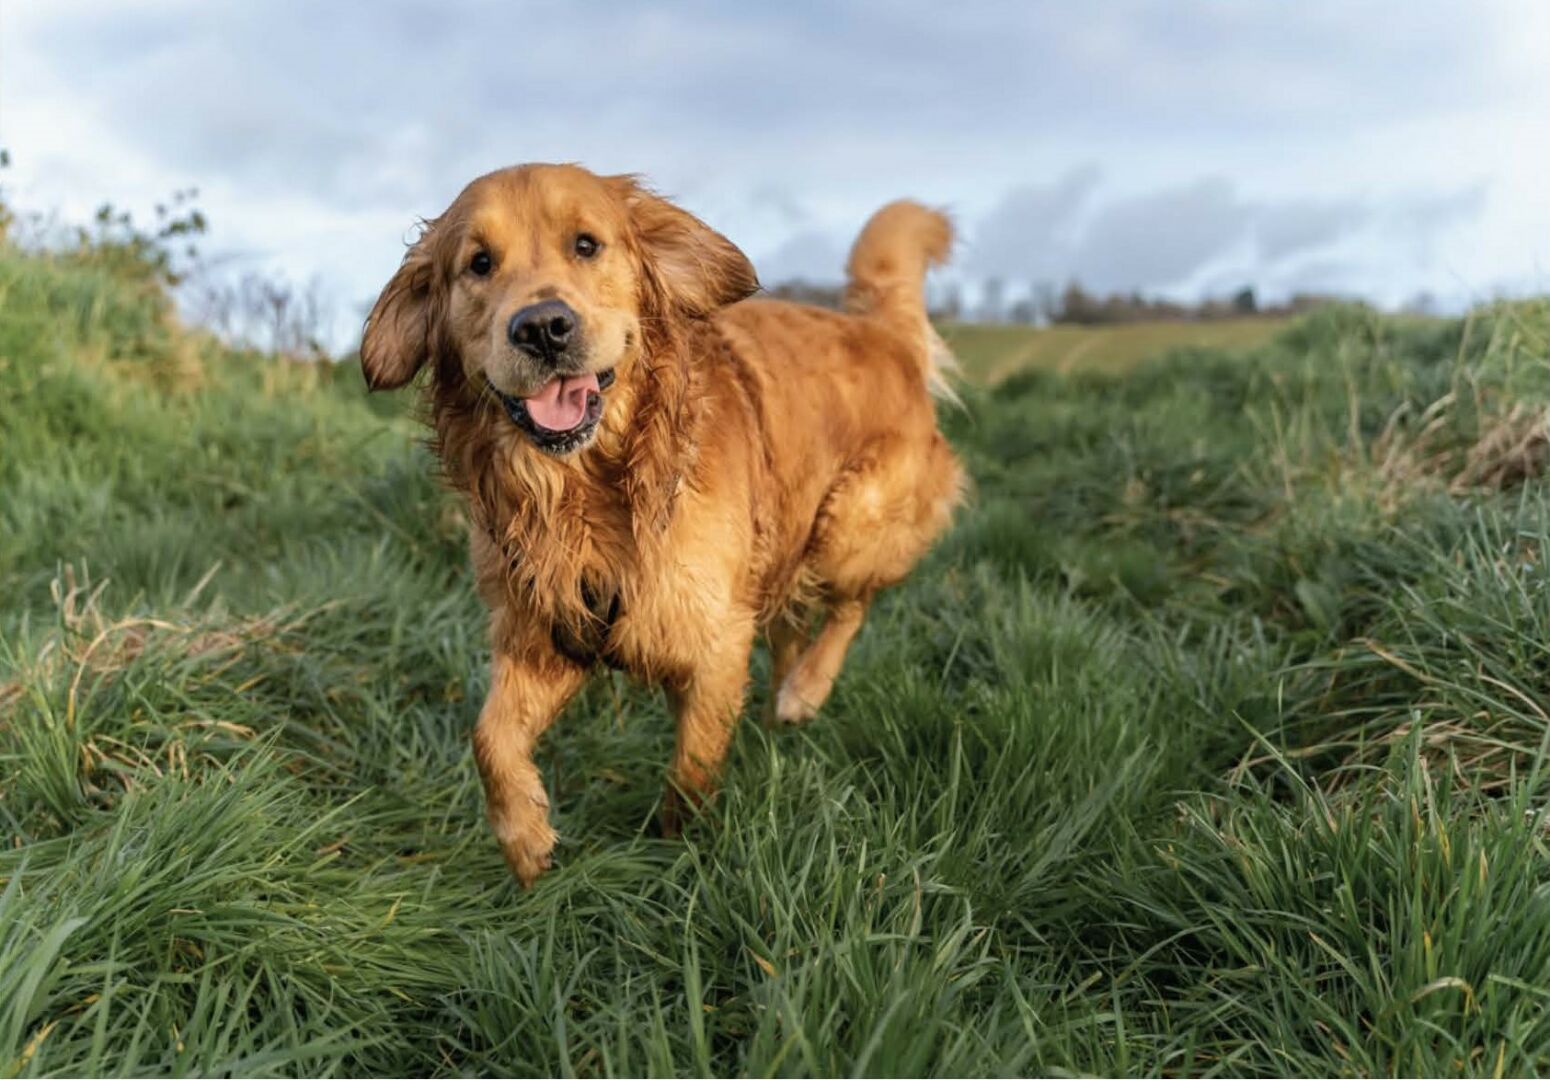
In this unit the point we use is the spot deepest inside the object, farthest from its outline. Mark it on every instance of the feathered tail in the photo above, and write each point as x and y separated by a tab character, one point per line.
887	275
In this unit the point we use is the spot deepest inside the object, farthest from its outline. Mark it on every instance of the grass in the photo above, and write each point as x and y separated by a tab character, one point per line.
1210	741
990	353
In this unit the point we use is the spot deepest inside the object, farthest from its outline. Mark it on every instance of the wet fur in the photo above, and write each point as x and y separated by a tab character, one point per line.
758	463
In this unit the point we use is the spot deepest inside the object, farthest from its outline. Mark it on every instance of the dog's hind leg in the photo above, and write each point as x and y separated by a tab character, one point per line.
878	519
788	636
805	687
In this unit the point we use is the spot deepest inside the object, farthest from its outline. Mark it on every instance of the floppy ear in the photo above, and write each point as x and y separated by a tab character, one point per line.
396	343
699	269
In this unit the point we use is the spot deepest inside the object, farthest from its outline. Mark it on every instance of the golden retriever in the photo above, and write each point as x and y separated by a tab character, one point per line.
657	468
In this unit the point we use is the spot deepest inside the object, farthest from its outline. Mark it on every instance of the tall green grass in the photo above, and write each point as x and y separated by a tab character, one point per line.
1210	741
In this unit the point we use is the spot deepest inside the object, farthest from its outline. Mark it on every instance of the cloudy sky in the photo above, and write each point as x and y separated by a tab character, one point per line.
1176	146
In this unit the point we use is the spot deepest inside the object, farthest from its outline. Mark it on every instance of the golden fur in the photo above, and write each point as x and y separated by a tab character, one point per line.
757	464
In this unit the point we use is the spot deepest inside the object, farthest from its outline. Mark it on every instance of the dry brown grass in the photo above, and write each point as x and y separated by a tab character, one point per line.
1512	445
88	651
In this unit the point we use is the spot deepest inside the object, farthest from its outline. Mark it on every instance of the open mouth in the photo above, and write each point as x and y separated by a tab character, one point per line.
563	415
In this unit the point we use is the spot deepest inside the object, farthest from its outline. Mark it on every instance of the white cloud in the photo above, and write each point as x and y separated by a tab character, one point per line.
319	132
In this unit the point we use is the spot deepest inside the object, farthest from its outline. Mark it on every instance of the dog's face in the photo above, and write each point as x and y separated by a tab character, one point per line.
535	285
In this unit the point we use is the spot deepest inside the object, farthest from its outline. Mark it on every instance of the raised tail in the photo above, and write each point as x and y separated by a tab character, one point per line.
887	276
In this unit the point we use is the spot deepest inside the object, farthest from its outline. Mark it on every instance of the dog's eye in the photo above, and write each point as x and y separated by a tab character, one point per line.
587	246
481	264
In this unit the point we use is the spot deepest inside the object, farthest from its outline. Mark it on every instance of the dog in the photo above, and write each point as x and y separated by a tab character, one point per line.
657	467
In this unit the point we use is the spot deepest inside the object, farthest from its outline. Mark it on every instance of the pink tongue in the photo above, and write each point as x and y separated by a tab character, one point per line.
562	403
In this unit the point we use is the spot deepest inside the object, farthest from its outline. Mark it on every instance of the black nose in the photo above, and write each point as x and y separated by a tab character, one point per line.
543	329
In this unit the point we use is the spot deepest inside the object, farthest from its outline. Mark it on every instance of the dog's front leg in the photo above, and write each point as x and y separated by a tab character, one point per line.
707	703
527	691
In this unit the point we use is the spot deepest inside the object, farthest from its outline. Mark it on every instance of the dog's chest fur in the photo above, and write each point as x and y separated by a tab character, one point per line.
600	584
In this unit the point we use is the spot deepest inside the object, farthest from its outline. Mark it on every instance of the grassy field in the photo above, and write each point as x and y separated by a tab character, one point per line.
1210	741
991	353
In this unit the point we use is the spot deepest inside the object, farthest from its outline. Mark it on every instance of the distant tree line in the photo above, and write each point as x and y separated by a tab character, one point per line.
1074	304
1077	305
809	292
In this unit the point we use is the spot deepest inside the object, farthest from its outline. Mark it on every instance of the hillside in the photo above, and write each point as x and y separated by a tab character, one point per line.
1209	741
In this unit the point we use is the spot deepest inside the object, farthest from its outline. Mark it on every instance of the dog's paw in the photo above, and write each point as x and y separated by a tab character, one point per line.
682	801
676	811
528	847
670	819
529	866
791	708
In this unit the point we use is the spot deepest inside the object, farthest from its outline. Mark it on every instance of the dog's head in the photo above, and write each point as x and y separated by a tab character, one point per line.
538	285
